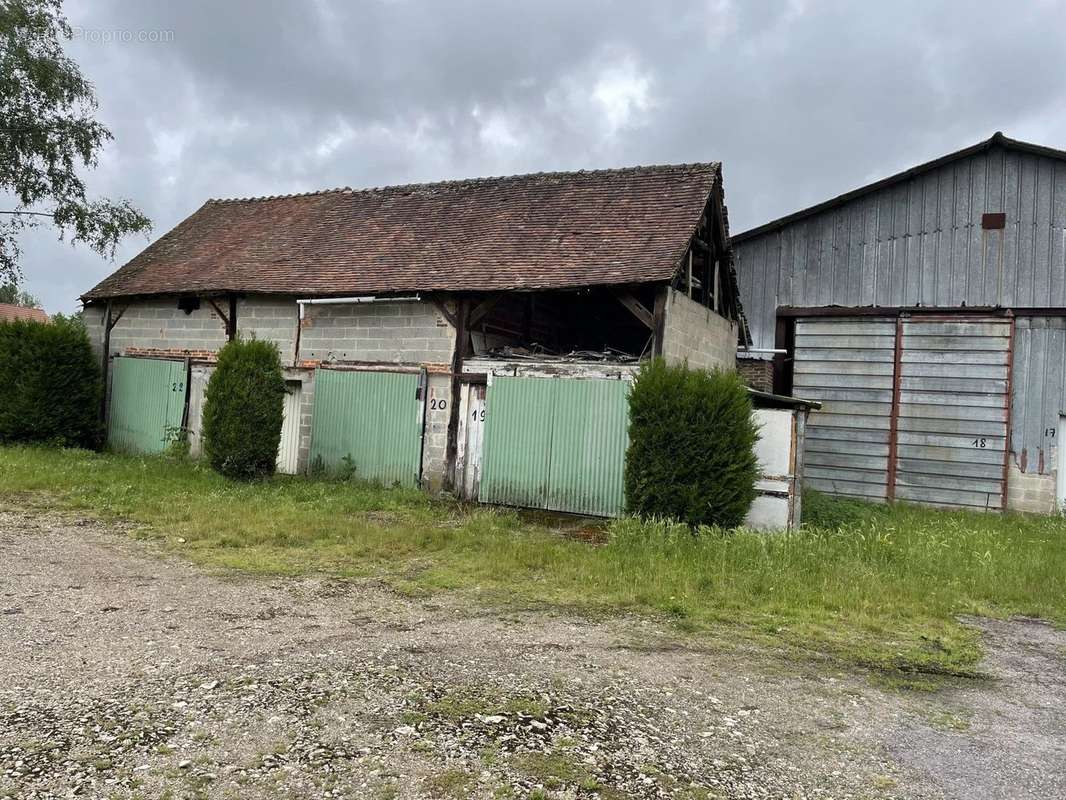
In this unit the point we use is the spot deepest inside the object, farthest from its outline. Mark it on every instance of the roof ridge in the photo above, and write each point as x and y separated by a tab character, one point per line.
258	198
476	181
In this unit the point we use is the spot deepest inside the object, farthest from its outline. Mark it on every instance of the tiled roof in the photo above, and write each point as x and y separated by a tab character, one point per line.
541	231
10	312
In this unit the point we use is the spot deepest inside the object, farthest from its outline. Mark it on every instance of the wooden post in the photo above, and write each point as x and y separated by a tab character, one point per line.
462	315
105	364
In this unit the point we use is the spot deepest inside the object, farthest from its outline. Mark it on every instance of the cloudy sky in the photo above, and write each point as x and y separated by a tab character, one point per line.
800	99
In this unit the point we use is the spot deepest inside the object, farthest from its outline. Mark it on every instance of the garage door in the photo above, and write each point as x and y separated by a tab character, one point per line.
556	443
371	421
931	427
847	364
953	411
147	404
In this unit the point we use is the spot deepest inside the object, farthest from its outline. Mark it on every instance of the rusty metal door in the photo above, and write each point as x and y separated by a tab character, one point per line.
953	411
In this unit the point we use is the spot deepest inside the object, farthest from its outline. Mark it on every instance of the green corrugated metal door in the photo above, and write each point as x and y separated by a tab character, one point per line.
147	404
373	418
556	443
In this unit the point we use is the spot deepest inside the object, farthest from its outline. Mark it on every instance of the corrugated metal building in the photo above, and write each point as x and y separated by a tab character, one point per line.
928	312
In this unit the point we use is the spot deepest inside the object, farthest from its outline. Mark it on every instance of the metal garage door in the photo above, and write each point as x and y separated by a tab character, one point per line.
371	419
953	411
556	443
847	364
147	404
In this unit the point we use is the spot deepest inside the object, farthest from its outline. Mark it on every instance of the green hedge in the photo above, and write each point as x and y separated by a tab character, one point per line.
691	450
243	410
49	384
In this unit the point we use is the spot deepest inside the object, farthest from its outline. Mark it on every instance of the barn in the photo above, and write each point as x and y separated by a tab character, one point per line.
927	311
478	335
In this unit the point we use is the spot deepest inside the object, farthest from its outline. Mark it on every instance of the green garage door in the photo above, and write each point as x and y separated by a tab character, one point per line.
372	418
556	443
147	404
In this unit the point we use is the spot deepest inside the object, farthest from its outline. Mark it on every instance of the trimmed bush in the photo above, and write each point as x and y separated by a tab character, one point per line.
49	384
243	410
691	450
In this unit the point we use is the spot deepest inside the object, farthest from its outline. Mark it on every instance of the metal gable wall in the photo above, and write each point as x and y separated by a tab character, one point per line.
920	242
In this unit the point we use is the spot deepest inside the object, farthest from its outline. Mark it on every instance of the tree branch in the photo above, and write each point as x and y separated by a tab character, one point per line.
28	213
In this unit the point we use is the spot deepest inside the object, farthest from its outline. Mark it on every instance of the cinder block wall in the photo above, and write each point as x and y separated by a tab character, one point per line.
698	335
410	333
271	319
158	325
435	439
1030	491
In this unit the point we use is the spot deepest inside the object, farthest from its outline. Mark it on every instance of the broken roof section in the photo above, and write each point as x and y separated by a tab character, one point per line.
543	231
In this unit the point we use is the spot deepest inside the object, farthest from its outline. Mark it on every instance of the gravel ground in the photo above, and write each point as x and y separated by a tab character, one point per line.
127	673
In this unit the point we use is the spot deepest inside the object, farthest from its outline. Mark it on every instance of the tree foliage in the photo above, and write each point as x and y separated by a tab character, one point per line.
243	410
47	135
12	295
49	384
691	450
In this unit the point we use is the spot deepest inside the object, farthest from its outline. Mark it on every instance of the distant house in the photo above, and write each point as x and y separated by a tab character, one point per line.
9	313
424	328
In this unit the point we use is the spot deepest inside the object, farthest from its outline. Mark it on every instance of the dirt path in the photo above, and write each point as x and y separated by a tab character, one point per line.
125	673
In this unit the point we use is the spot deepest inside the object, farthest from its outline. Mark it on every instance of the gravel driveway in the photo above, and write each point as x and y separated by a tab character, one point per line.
127	673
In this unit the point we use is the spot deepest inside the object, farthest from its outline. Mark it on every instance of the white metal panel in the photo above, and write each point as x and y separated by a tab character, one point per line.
289	445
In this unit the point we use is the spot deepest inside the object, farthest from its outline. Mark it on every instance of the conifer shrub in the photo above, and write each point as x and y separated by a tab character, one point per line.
691	453
49	384
243	408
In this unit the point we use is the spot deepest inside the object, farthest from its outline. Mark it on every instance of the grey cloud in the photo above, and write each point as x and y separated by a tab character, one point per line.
800	100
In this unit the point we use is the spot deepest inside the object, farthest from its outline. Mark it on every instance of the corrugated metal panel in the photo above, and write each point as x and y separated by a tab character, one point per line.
920	242
147	404
953	422
289	446
372	418
1039	389
557	444
848	365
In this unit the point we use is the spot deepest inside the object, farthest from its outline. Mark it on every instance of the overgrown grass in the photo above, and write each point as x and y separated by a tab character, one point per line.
867	584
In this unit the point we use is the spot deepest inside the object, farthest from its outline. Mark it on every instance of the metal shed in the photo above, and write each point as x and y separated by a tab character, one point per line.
927	311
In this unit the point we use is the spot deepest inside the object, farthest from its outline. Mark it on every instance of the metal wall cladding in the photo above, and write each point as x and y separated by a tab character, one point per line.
947	446
848	365
372	418
920	242
147	404
557	444
953	411
1039	389
289	444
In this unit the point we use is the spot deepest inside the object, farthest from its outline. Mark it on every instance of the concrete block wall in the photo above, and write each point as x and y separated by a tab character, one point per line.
1030	491
271	319
435	436
696	334
409	333
161	325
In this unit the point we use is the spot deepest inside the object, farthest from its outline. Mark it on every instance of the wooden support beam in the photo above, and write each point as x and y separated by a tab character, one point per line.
222	314
481	309
659	325
462	337
448	315
636	309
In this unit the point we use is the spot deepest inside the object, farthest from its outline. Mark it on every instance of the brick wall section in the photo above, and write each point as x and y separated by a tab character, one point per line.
271	319
1030	491
698	335
758	373
410	333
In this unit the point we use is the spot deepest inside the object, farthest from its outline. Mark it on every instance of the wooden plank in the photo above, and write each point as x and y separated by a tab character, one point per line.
636	309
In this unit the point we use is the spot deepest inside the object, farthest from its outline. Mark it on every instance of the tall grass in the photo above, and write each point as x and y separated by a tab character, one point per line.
868	584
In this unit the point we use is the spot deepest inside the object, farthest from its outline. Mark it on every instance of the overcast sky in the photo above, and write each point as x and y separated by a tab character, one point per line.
799	99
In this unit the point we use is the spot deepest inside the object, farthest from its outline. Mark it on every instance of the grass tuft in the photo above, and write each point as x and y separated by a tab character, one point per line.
871	585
